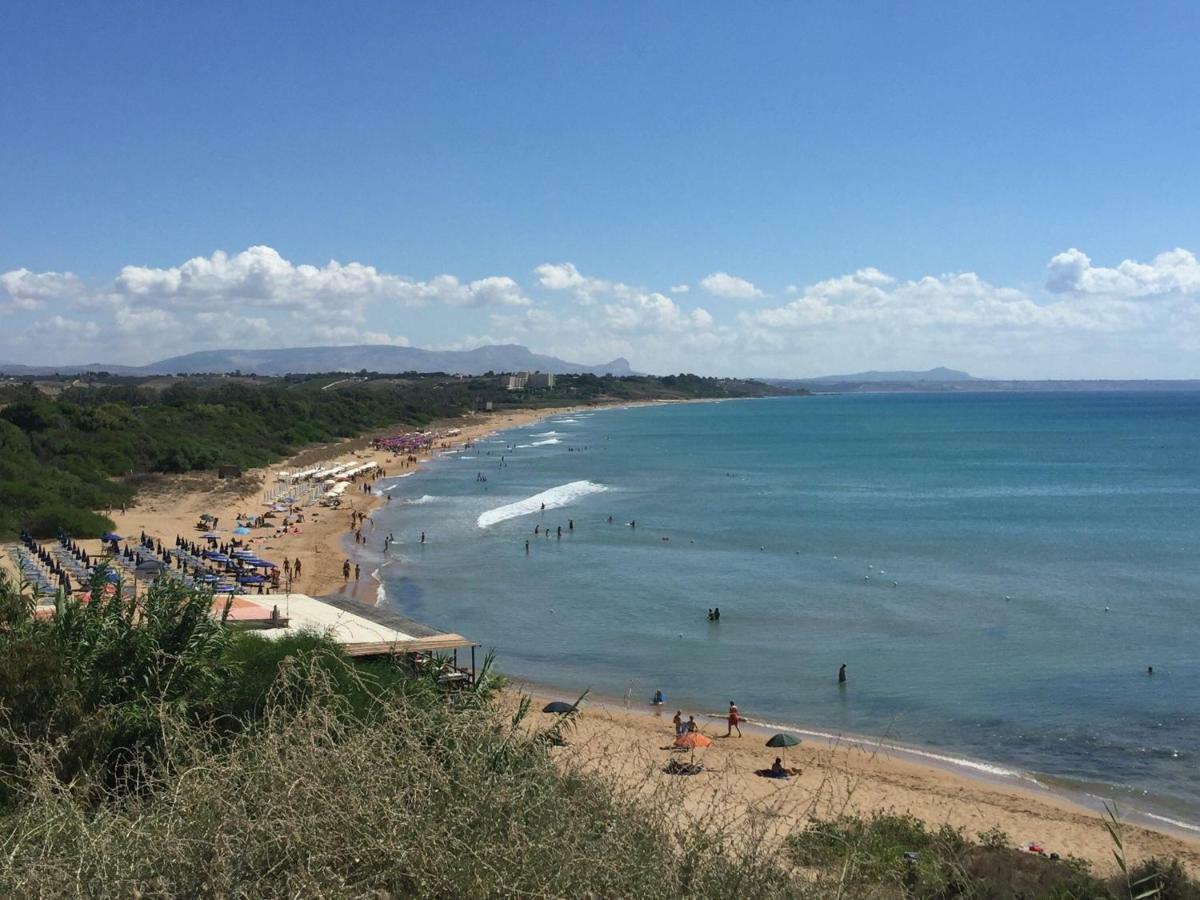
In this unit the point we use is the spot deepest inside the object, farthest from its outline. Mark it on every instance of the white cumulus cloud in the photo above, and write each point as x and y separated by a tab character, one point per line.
722	284
29	290
1173	272
260	277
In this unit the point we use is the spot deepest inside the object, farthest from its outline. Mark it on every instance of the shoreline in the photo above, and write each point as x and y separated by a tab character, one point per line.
973	794
935	793
839	775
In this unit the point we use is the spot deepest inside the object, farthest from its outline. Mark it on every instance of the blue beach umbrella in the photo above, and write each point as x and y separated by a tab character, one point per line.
110	537
241	529
251	579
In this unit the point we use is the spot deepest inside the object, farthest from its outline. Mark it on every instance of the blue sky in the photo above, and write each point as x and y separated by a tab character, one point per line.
649	146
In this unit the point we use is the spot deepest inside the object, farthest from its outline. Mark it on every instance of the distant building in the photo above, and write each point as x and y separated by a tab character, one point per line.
540	380
516	382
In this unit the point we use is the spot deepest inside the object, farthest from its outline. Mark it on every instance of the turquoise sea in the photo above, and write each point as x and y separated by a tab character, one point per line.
996	570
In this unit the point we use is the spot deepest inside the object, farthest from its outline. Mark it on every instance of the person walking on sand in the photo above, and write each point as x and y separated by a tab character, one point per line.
356	571
296	569
346	570
678	722
734	720
842	674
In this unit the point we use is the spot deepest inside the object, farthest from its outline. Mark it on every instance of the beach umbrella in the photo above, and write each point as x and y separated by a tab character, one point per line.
110	537
262	564
558	706
690	740
241	529
251	579
150	565
783	741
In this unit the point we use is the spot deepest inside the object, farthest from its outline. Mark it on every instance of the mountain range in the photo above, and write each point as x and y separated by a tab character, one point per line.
369	357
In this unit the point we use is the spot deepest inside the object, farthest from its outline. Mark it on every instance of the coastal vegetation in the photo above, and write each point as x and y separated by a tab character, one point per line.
149	751
70	450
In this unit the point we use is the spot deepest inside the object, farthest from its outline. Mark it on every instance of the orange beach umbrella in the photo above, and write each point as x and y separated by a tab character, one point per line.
690	740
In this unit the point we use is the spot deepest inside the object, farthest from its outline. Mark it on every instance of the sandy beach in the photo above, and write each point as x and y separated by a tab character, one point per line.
168	506
632	747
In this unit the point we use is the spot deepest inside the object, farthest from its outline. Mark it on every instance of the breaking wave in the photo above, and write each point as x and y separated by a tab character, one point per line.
554	498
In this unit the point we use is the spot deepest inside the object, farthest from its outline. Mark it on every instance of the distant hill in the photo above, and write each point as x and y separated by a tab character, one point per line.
369	357
940	375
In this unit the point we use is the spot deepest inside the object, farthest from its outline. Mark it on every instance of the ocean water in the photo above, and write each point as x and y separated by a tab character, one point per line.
996	570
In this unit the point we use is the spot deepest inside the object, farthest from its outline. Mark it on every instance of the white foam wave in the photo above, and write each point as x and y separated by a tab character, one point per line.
1175	822
421	501
546	442
960	762
554	498
468	457
563	421
545	434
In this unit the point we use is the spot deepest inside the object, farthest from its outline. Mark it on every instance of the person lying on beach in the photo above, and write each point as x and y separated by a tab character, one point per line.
776	771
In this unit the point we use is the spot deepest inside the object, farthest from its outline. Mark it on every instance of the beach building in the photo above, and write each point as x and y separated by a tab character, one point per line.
533	381
363	631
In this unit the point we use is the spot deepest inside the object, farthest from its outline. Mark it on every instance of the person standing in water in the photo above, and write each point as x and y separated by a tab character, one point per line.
842	674
422	537
527	548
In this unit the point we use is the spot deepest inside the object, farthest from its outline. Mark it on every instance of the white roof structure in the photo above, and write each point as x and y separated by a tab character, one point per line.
359	635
